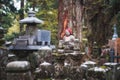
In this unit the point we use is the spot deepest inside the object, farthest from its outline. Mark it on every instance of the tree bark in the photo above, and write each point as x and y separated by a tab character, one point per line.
72	11
60	11
79	17
21	14
98	20
0	14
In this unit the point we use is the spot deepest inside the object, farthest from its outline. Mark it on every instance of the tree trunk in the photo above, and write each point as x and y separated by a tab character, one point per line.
21	14
79	17
70	15
0	14
60	11
34	5
98	20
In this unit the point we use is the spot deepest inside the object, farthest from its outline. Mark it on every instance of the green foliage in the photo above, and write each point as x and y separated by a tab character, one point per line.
7	13
9	37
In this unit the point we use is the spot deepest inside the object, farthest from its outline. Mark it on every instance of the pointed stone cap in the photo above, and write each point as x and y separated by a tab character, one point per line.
31	19
115	35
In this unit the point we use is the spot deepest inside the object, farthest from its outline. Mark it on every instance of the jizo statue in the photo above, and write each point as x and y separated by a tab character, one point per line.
69	38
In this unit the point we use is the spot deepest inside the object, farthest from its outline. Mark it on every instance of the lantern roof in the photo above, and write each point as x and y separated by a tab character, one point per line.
31	19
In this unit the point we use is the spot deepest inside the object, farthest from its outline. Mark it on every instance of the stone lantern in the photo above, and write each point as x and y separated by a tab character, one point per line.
31	22
33	42
26	43
31	28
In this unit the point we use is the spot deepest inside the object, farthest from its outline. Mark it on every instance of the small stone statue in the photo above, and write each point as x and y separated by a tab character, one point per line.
68	39
69	36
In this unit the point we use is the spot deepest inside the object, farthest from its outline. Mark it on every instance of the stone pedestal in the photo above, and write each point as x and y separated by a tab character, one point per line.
68	48
18	70
60	45
76	45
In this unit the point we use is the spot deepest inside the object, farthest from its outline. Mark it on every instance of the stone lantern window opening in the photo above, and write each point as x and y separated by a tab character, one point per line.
31	29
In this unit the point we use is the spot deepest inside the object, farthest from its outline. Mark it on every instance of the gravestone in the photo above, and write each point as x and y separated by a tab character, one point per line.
43	37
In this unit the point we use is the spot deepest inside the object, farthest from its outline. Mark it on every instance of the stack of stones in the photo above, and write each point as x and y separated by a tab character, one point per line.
18	70
68	48
77	45
75	55
71	51
60	47
68	60
75	61
59	57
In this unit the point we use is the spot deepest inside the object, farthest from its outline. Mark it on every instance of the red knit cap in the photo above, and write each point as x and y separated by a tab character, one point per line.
70	30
